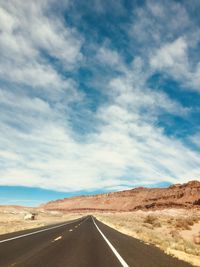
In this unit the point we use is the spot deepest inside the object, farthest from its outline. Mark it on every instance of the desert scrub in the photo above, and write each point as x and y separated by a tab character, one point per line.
175	234
184	223
195	219
169	237
188	247
150	219
196	238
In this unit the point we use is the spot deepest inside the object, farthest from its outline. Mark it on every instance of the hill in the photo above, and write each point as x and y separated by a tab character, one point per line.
179	195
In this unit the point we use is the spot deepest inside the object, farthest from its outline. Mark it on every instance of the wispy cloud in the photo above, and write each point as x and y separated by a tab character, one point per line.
32	37
78	113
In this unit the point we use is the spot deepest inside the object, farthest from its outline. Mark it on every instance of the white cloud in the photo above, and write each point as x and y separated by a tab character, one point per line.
23	102
195	139
30	33
171	55
157	22
126	149
167	39
173	58
194	78
109	57
39	145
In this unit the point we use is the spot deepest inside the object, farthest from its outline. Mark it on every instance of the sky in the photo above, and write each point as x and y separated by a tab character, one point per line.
97	96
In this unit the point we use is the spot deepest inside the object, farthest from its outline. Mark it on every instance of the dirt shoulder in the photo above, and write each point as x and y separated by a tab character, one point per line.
176	231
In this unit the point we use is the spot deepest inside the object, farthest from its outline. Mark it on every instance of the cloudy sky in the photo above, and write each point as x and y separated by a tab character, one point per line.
98	95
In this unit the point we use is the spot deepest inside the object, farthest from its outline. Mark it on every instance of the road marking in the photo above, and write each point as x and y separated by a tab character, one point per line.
36	232
122	261
57	238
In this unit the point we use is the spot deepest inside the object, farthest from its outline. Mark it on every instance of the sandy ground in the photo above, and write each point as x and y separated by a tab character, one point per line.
175	231
12	218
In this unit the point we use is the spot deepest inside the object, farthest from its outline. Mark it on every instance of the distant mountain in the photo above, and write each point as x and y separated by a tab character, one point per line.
179	195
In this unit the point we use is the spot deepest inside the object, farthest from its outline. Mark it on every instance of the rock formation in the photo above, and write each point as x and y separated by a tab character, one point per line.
179	195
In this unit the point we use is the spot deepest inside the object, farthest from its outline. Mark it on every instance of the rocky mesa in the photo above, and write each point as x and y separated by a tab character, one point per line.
179	195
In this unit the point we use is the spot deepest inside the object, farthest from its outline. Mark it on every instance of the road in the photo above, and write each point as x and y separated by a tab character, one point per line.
85	242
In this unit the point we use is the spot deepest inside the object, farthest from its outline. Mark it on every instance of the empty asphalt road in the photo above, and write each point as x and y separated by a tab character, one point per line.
83	242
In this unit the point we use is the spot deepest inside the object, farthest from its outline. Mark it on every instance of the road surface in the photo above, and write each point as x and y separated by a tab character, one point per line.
85	242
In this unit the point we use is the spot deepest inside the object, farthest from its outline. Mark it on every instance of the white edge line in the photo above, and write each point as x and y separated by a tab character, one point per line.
122	261
36	232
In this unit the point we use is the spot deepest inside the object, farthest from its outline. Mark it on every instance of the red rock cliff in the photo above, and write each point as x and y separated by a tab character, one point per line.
178	195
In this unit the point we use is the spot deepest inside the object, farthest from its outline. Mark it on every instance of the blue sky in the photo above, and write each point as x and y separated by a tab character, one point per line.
97	96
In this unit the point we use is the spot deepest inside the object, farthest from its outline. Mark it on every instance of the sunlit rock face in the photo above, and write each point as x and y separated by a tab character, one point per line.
178	195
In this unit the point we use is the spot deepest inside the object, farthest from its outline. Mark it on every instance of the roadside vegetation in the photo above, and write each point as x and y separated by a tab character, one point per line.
175	231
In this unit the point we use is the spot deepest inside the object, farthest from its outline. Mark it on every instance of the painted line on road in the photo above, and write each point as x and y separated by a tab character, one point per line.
58	238
121	260
36	232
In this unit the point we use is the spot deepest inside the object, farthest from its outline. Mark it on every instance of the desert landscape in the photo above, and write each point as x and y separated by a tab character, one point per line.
166	217
100	133
176	231
17	218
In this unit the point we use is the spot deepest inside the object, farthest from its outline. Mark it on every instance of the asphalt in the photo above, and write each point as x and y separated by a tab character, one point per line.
80	243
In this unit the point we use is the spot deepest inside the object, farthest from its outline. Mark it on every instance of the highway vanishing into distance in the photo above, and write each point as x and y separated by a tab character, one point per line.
83	242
